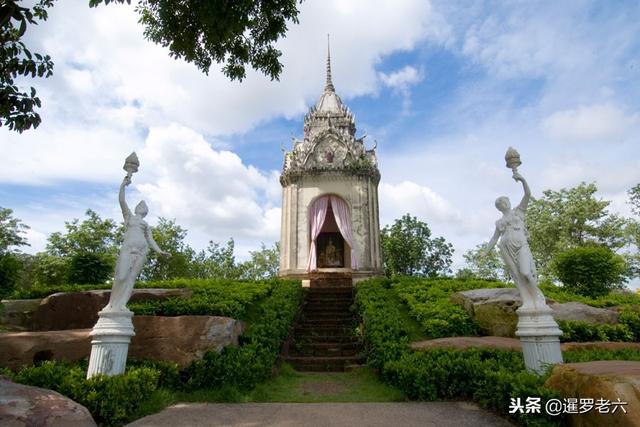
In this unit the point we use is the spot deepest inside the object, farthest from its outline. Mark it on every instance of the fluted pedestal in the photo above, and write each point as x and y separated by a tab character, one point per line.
540	337
110	344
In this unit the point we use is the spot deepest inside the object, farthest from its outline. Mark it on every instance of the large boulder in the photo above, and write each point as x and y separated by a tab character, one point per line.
611	380
79	310
583	312
494	310
17	314
182	339
175	339
22	405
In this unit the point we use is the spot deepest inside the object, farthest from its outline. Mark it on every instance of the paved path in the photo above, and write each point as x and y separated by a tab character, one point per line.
422	414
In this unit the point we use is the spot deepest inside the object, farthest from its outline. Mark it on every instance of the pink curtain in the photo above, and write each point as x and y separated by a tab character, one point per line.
343	219
317	214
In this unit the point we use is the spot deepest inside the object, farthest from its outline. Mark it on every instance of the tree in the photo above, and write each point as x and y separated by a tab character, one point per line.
11	237
236	33
634	199
16	104
409	249
171	238
263	264
217	262
11	231
88	249
489	267
569	218
590	270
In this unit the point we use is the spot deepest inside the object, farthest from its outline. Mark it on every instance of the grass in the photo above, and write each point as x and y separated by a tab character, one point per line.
360	385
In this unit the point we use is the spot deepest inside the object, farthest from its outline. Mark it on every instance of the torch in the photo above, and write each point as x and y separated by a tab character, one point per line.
513	159
131	164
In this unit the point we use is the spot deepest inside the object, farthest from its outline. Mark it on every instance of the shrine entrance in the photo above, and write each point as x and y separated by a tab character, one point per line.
331	236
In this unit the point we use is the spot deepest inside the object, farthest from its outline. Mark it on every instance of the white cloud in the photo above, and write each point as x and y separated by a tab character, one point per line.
400	80
605	123
212	193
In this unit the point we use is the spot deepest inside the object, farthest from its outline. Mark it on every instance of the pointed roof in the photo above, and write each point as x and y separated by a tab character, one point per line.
329	101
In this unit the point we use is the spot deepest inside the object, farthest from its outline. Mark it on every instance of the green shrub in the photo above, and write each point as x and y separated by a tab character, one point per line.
590	270
245	366
429	302
111	400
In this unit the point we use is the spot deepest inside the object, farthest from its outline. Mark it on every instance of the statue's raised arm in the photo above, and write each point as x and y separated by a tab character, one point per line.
527	191
126	212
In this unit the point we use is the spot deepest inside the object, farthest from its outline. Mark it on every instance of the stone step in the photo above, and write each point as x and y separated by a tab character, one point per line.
329	310
329	300
304	339
346	323
323	331
330	290
322	315
322	364
327	350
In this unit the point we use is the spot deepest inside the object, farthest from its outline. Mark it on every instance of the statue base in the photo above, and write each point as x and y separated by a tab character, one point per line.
540	337
110	344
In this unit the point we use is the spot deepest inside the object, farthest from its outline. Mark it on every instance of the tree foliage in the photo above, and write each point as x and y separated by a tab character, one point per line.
16	60
590	270
569	218
11	231
409	249
263	264
235	33
480	266
171	238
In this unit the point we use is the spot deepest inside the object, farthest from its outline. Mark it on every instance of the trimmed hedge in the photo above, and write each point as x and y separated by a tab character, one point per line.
109	399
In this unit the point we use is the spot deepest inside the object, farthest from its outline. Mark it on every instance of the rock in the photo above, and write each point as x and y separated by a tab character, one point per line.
19	349
607	379
494	310
79	310
176	339
583	312
22	405
18	313
182	339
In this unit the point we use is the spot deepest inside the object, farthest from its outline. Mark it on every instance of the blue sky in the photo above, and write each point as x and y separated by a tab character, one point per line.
444	87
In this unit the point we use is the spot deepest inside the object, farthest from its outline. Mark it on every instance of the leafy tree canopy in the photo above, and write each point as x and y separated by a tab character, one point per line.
409	249
11	230
234	33
93	235
480	266
569	218
171	238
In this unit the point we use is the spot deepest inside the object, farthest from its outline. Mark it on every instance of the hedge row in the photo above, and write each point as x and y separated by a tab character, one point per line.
491	377
210	297
429	302
110	401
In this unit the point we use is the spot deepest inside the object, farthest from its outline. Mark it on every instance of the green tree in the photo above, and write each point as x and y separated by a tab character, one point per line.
235	33
11	237
569	218
263	264
590	270
88	249
16	60
408	249
633	230
217	261
171	238
489	267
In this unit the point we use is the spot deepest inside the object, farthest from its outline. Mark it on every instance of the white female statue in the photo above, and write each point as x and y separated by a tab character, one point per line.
135	246
514	248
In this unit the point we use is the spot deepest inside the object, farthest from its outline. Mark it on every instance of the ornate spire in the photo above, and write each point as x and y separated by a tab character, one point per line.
329	85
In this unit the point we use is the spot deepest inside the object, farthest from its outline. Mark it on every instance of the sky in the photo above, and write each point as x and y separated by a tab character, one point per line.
443	87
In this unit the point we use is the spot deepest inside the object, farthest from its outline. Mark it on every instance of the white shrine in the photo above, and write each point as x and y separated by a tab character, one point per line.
330	221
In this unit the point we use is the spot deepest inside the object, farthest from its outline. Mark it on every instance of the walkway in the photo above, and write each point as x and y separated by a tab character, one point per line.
418	414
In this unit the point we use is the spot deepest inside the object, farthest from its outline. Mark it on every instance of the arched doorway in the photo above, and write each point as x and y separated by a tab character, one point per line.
331	242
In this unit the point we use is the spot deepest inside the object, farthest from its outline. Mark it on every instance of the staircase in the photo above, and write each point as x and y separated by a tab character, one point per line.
324	339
